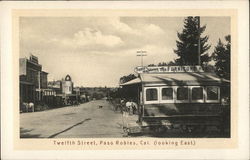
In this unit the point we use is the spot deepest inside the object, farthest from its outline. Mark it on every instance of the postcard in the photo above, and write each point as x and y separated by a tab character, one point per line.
103	79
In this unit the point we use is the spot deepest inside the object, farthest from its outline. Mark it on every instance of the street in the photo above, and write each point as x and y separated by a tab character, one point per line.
87	120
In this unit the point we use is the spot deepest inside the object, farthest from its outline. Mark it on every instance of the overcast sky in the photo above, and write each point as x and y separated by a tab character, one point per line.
97	51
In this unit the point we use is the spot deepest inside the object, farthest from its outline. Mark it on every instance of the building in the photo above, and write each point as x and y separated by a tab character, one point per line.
56	86
64	91
62	87
67	85
76	91
32	80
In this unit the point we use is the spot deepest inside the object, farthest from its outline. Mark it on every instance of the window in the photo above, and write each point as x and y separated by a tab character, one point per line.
182	93
167	93
212	93
151	94
197	93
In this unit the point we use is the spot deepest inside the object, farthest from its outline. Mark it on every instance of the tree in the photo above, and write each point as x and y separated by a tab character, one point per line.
171	63
162	64
187	45
221	56
151	65
127	78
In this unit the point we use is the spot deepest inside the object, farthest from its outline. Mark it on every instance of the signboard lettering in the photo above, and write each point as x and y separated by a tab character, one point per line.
168	69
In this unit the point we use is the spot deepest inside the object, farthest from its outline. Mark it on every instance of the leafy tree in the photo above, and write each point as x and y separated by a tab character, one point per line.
221	56
171	63
127	78
187	45
162	64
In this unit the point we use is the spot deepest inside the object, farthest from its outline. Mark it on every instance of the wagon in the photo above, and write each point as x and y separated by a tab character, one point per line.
183	97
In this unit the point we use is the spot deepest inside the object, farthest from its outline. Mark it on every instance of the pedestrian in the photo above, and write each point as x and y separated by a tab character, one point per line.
131	106
125	114
122	104
134	107
25	107
31	106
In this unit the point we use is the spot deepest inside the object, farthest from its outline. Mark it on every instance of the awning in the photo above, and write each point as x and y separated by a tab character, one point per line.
133	81
27	83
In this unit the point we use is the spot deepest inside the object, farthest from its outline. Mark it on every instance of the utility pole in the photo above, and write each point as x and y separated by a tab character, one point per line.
39	85
141	55
199	42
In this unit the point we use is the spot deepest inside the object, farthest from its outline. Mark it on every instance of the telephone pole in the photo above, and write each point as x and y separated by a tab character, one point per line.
141	55
199	42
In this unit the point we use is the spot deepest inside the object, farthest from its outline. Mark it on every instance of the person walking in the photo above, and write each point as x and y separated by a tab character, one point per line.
125	114
31	106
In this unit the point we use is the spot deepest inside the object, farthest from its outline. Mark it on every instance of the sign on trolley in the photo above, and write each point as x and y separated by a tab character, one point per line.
167	69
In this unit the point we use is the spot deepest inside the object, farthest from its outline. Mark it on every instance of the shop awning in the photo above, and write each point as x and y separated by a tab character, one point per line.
134	81
27	83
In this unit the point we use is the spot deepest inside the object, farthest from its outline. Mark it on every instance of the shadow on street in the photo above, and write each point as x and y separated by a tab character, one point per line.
54	135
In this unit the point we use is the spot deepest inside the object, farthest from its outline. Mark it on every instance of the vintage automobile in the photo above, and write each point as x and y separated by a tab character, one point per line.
183	97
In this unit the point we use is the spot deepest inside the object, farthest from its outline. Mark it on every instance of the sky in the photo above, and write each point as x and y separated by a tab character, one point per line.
97	51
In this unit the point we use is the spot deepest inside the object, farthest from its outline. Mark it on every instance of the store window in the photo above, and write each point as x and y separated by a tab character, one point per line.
167	93
197	93
182	93
212	93
151	94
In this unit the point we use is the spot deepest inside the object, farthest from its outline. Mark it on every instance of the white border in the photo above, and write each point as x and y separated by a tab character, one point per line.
242	152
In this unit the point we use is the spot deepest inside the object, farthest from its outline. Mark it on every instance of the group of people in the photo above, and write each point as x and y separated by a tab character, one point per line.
129	106
124	105
28	107
70	102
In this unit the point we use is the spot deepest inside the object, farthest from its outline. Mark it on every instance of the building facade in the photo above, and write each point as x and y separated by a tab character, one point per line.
32	80
67	85
56	86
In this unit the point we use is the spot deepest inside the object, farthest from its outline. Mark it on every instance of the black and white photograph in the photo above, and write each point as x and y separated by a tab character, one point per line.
124	80
125	77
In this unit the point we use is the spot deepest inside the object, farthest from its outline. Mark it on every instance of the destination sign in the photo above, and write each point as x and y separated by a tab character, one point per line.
168	69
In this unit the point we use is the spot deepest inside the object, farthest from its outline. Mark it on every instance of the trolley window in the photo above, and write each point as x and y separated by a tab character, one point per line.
182	93
212	93
151	94
167	93
197	93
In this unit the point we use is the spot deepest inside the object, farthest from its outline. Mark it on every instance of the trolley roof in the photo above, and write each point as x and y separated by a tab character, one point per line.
183	78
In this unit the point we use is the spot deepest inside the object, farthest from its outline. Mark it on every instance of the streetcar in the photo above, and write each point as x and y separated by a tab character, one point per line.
183	97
